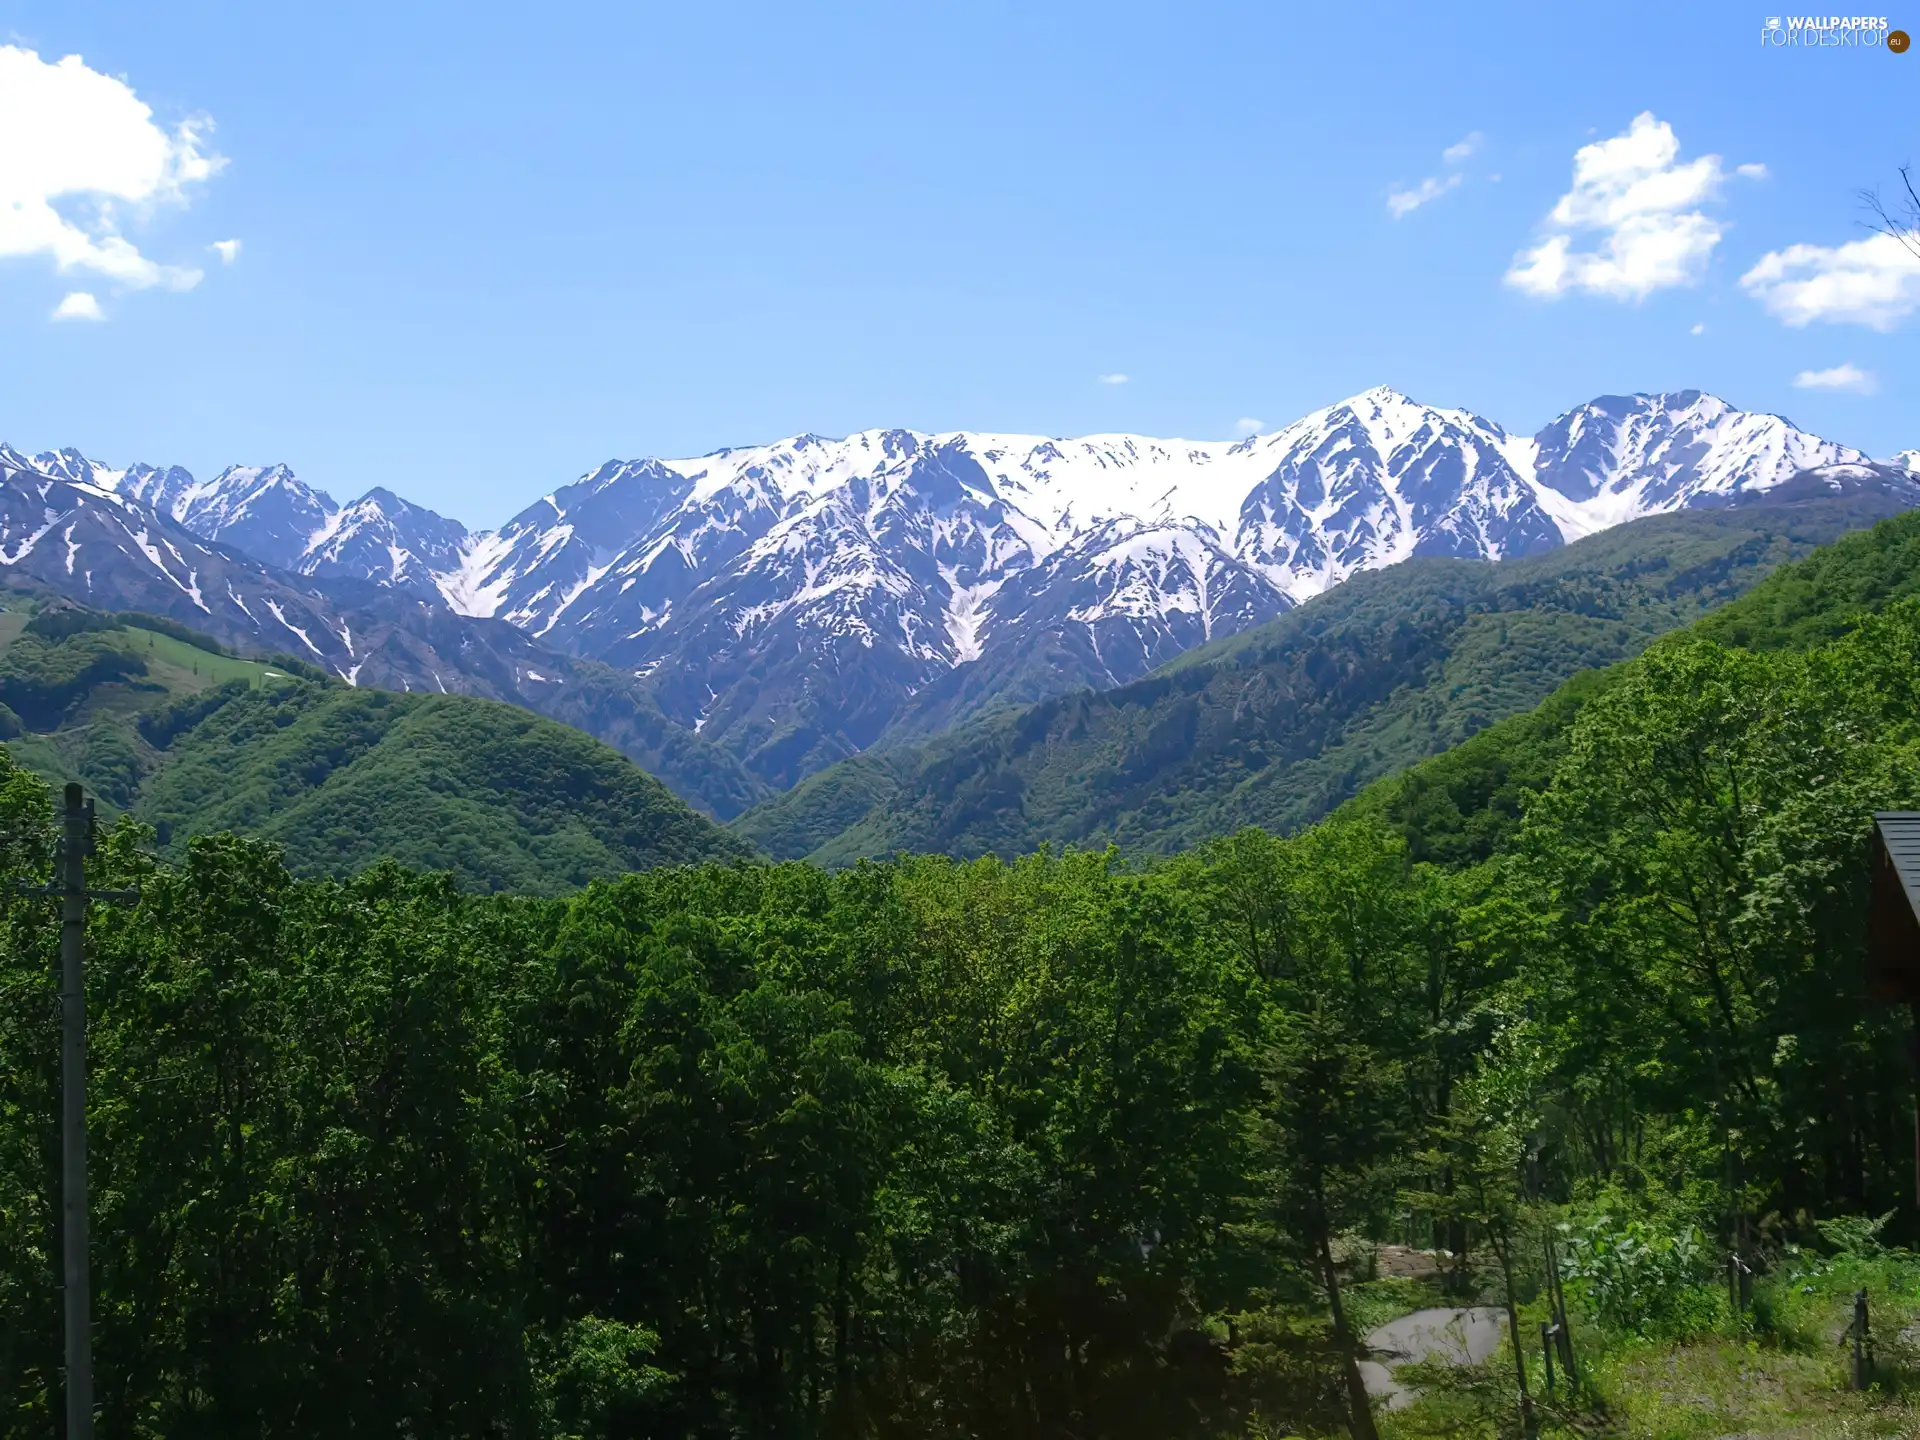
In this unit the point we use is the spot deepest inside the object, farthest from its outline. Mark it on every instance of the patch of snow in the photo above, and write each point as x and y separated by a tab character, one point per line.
279	615
967	612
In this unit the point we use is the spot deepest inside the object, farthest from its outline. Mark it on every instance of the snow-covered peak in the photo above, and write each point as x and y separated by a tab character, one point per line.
69	464
265	510
1906	460
387	540
1623	456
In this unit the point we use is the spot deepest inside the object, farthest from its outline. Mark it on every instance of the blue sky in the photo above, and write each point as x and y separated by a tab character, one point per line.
483	249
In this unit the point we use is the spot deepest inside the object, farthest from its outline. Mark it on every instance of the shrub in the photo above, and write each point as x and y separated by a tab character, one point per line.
1640	1277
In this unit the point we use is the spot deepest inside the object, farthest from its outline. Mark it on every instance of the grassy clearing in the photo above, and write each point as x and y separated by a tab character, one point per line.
194	668
1782	1377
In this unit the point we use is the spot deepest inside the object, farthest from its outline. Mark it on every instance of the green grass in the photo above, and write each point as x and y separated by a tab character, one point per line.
1784	1377
189	669
12	622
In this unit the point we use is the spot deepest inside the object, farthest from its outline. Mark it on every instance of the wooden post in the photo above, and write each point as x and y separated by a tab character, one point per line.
1914	1050
1860	1356
1557	1298
75	840
69	887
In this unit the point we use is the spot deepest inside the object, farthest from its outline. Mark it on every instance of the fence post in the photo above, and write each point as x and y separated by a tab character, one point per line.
1860	1354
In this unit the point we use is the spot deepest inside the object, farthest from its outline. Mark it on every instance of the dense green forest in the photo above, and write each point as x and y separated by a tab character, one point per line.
1461	805
1278	725
1056	1147
165	726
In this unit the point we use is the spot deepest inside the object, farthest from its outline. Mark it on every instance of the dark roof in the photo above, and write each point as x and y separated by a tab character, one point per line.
1900	835
1893	912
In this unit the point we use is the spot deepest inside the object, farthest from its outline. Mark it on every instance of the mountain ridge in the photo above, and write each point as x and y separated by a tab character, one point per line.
795	603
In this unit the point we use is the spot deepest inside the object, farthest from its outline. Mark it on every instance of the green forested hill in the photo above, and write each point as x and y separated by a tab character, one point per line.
192	741
1460	806
1279	725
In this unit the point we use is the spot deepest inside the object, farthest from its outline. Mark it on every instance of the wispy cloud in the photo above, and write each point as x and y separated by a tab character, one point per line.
1699	329
1873	282
227	250
1754	171
1114	379
1401	203
83	155
1403	200
1846	376
1641	207
1247	425
78	306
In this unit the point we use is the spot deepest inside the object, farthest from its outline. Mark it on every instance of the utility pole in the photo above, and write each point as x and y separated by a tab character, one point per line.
70	886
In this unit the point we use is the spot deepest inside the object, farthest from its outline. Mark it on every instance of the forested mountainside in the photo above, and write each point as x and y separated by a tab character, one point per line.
1061	1147
1461	806
1277	726
191	740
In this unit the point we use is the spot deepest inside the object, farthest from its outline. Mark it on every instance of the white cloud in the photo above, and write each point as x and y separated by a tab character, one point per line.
1873	282
80	154
78	306
1633	194
1403	200
1247	425
1114	379
1754	171
1401	203
1847	376
227	250
1699	329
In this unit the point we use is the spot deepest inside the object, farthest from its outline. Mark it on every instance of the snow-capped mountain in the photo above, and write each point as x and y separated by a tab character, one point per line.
72	529
64	524
1623	456
273	515
1905	460
265	510
384	539
749	585
1378	479
791	601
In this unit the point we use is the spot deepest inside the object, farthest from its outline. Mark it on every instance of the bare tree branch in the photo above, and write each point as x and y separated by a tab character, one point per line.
1902	222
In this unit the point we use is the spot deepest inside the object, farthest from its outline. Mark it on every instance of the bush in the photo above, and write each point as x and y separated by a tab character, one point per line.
1643	1278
